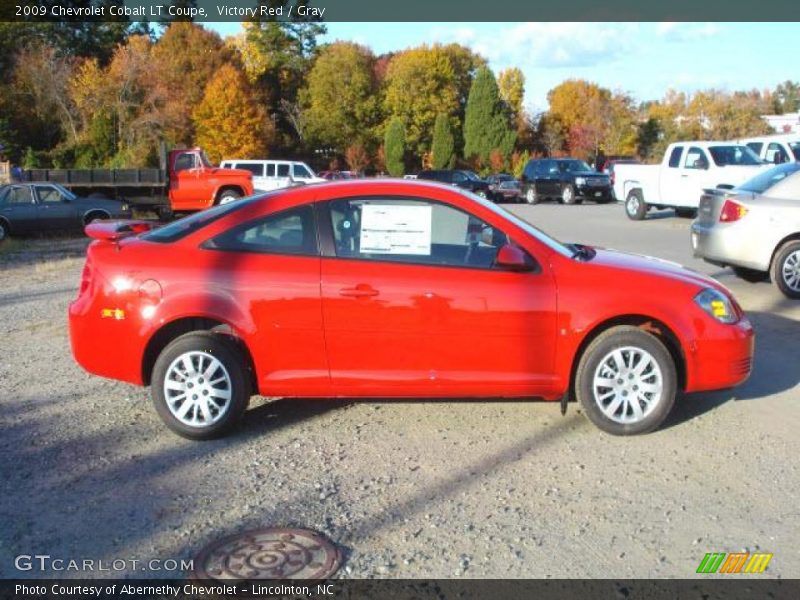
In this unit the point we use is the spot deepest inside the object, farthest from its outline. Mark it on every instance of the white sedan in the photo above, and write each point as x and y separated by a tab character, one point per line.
754	228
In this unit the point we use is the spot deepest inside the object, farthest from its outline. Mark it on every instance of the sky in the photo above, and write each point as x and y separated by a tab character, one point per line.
642	59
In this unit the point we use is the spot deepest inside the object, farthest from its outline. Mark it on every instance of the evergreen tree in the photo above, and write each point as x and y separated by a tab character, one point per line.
486	126
395	147
443	147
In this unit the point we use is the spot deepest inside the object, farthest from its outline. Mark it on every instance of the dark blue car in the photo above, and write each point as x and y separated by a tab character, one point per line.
40	207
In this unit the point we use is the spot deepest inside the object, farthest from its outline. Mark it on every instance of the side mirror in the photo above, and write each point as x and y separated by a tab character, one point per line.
513	258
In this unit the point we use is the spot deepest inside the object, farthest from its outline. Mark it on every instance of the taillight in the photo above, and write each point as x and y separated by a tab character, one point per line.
86	278
731	211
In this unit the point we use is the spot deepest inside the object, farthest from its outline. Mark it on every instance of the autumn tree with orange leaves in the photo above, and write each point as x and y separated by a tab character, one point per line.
229	121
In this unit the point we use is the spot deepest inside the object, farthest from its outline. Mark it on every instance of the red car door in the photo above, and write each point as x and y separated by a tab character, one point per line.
417	307
188	188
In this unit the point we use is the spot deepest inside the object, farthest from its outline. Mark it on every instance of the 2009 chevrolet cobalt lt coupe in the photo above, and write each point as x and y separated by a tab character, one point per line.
394	289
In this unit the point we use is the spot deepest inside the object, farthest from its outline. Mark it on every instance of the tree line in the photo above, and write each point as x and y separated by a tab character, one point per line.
105	94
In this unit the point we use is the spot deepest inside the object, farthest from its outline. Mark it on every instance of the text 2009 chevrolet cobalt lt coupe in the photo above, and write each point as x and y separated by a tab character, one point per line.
394	289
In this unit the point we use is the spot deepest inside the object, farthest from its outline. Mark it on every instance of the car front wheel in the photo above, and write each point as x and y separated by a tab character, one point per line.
626	381
530	196
4	231
200	386
786	269
568	195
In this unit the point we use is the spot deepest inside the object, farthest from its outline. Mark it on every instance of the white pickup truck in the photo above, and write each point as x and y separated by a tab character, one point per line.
686	170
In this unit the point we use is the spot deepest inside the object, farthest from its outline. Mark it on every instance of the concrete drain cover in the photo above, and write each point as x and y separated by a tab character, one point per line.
272	553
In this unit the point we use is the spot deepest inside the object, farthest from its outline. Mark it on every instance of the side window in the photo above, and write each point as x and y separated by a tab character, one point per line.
185	162
287	232
49	195
283	170
299	171
19	195
776	154
459	177
756	147
271	170
255	168
675	157
413	231
695	159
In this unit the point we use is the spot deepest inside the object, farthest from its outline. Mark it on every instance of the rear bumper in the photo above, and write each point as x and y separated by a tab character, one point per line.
723	359
725	245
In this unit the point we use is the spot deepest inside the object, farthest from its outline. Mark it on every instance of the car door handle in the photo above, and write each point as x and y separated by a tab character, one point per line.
360	291
684	175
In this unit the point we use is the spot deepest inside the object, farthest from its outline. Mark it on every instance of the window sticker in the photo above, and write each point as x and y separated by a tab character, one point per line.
395	229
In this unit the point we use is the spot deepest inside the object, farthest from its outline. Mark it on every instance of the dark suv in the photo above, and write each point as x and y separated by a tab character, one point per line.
460	178
566	179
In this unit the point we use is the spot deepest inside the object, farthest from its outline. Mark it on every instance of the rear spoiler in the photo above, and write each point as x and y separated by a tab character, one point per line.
113	231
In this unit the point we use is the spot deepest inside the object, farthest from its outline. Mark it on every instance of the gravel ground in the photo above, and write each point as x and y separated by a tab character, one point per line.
407	489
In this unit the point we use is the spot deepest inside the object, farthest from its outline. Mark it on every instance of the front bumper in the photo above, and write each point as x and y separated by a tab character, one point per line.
725	245
723	358
597	193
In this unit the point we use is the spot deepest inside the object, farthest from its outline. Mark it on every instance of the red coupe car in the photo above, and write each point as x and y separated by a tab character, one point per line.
394	289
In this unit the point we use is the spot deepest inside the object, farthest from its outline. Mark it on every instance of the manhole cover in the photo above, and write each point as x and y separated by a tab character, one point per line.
272	553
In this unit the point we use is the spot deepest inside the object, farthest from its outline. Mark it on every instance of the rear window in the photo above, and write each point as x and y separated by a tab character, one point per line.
675	157
763	181
182	227
733	155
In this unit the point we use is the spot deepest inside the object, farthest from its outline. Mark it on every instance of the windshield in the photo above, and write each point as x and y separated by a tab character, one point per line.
472	176
733	155
183	227
795	148
573	166
540	235
763	181
64	191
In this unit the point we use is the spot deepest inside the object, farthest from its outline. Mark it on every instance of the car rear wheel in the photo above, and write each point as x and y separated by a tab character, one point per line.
228	196
786	269
750	275
4	231
531	197
626	381
568	195
200	386
635	207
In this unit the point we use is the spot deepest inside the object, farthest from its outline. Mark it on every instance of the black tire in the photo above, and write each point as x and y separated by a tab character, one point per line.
227	196
635	207
785	271
568	195
686	213
5	231
231	359
531	197
750	275
95	215
598	351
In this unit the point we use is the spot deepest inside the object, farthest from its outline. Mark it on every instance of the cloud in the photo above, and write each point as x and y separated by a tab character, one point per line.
547	45
687	32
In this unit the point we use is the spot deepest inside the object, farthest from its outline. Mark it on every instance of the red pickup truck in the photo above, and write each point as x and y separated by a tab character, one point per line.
185	182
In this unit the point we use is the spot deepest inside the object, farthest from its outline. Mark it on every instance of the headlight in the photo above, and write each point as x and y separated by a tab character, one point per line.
580	180
717	304
124	207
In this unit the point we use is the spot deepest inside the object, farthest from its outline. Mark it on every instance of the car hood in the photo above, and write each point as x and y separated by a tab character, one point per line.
650	265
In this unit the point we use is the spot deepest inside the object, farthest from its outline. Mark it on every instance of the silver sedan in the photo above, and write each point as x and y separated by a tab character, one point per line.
755	228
